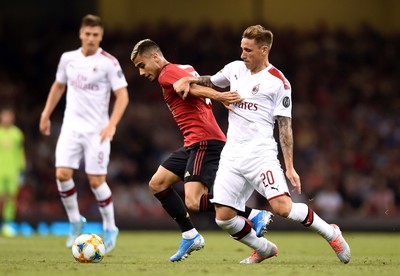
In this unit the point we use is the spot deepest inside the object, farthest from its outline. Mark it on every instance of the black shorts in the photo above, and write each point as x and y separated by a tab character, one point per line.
198	162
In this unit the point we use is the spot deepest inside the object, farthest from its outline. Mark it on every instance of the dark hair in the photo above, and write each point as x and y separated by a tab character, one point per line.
91	21
144	46
259	34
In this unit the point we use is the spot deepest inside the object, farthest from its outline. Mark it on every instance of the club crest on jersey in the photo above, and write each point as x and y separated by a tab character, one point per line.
255	89
286	101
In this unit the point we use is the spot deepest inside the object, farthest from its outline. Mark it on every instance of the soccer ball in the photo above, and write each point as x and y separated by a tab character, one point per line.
88	248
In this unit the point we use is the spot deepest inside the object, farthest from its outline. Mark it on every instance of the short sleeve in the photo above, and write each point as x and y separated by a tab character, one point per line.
283	105
116	76
222	78
61	75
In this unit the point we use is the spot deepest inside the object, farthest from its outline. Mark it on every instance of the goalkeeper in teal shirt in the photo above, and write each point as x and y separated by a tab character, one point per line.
12	166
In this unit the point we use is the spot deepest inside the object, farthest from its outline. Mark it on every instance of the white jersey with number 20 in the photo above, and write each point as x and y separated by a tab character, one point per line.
249	159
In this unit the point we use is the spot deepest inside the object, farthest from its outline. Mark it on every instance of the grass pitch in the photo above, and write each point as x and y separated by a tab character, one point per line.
147	253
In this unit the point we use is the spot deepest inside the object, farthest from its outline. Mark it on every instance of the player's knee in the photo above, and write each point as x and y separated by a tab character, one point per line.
95	181
156	186
192	203
151	186
221	223
226	224
63	175
281	206
94	184
283	211
284	214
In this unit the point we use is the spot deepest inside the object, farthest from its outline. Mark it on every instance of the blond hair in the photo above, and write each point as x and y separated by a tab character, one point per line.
261	35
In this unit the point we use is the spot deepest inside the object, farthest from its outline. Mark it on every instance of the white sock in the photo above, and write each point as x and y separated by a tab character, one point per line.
238	224
69	199
190	234
106	206
300	213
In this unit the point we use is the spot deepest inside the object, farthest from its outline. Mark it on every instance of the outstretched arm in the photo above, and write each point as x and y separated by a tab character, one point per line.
226	98
202	87
286	142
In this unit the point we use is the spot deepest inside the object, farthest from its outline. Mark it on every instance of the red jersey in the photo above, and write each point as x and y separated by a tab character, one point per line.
193	115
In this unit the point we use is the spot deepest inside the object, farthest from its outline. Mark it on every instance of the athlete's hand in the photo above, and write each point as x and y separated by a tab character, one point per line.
182	87
45	126
107	133
227	98
294	179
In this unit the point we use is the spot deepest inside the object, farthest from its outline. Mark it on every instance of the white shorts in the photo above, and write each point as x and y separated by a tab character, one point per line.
237	179
73	146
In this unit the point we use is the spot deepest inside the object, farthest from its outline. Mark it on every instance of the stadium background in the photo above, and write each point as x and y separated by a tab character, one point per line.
341	58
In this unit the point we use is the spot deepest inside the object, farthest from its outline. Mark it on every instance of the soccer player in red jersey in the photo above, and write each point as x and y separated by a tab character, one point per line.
197	161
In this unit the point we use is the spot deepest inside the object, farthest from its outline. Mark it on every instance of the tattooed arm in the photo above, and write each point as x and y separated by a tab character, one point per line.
286	142
182	86
205	81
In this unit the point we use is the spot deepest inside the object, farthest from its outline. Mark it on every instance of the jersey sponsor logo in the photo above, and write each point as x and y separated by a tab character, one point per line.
85	86
255	89
247	106
286	101
81	82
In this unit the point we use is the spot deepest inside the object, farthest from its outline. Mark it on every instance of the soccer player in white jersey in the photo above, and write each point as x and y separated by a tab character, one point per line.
90	74
249	159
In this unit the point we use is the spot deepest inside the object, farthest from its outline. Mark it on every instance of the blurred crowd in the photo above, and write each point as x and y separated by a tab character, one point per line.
346	115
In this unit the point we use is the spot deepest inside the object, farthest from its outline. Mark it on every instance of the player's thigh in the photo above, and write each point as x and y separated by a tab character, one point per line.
96	154
230	187
163	179
69	150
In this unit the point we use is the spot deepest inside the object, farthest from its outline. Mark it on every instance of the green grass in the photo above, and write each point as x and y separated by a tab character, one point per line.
147	253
